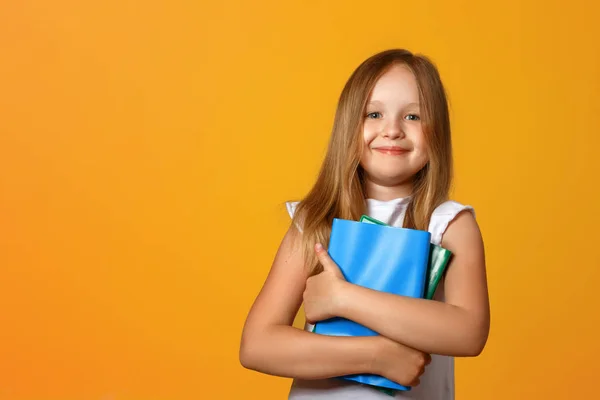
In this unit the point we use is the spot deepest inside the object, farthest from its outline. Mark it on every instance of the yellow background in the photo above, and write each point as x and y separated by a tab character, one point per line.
147	148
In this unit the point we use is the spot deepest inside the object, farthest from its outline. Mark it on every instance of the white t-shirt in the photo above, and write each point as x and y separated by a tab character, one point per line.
437	382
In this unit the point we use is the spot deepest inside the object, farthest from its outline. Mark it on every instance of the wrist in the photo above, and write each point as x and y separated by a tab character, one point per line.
342	298
376	360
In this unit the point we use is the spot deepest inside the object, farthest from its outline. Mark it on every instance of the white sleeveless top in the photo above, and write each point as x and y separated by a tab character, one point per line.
437	382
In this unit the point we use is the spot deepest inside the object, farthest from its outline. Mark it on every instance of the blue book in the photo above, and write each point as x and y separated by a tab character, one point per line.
439	258
379	257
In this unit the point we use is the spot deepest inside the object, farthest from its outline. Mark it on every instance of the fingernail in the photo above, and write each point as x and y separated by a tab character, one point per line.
318	247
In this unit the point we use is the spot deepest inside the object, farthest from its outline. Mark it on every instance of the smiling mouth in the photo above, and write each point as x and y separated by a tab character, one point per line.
393	151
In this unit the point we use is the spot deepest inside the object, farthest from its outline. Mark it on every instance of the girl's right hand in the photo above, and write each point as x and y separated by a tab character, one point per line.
399	363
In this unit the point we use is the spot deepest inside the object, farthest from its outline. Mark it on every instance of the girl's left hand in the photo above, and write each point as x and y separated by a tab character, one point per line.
323	291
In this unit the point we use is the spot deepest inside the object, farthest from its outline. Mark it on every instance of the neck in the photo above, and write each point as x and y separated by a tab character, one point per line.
377	191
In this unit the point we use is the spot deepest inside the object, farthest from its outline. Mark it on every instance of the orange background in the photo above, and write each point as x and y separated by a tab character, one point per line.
146	150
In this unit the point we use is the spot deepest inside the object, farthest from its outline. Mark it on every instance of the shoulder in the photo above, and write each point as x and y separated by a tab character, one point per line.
452	208
291	207
446	214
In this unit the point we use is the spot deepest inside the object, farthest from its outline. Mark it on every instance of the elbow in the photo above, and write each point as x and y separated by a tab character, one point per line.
244	357
474	349
247	354
252	352
476	340
255	349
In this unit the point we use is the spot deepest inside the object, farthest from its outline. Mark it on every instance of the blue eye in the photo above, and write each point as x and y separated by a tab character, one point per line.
413	117
371	115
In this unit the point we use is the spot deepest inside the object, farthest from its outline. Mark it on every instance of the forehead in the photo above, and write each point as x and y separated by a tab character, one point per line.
397	85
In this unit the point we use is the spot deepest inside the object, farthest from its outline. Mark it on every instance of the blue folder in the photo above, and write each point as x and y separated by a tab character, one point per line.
379	257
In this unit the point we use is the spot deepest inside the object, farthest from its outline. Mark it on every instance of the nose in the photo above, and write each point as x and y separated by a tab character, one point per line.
393	129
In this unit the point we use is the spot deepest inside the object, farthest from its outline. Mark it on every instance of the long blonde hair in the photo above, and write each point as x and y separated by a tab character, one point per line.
339	189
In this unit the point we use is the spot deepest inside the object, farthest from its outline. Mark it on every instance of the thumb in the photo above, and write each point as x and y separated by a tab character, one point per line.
325	260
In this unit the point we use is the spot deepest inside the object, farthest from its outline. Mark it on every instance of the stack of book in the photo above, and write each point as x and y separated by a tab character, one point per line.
395	260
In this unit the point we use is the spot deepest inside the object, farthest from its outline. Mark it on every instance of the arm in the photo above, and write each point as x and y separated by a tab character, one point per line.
270	343
457	327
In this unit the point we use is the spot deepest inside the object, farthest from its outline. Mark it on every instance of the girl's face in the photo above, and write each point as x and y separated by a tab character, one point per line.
394	145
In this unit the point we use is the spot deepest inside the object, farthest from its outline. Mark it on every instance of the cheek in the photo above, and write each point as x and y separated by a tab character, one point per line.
419	141
423	152
421	147
369	133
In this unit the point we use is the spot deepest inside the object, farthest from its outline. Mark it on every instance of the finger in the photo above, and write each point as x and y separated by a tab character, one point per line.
325	259
320	250
427	359
322	255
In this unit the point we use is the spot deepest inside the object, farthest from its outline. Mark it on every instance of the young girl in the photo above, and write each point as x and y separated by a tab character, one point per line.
389	157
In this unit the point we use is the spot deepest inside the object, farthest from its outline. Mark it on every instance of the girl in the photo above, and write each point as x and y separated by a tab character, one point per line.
389	157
